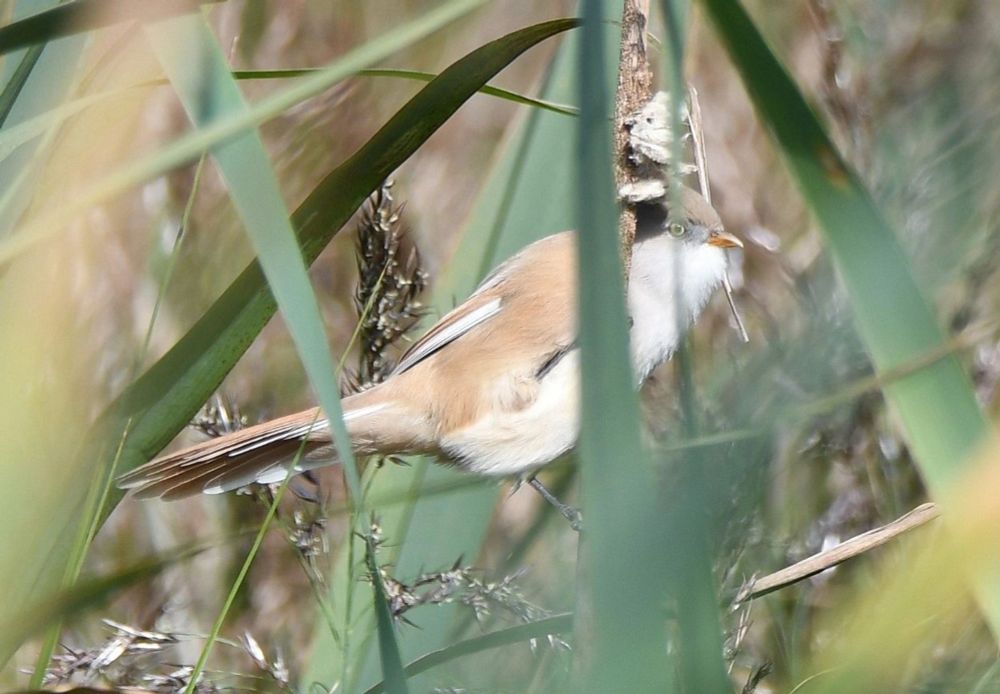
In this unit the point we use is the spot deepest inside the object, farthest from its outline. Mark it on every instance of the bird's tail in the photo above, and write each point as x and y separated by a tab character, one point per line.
262	453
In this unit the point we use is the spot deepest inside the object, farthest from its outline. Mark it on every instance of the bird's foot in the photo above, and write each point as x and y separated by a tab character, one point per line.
571	514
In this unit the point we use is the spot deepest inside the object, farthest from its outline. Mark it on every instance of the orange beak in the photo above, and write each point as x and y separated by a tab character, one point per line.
723	239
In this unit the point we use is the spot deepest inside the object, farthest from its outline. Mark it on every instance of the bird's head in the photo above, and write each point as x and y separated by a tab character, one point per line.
681	249
695	222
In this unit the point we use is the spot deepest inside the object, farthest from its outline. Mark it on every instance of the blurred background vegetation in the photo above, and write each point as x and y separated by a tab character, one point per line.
800	449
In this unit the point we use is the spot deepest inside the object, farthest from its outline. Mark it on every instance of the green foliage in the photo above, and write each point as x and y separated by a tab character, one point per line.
619	629
943	422
759	449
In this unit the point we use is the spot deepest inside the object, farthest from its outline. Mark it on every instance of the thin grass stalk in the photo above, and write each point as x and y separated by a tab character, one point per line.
213	634
418	75
317	587
161	290
34	127
96	495
95	508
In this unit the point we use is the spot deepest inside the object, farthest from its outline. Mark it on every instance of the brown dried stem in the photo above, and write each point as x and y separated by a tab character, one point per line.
635	87
701	165
845	550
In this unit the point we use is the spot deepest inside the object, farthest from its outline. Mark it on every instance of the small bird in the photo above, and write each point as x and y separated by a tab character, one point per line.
493	387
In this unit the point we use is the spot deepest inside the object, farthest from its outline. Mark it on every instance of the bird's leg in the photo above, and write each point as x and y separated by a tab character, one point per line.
568	512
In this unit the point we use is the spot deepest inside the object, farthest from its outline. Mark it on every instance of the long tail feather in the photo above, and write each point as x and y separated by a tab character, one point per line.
261	453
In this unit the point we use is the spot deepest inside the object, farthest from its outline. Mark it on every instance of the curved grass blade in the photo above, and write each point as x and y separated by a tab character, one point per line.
418	75
936	405
86	15
14	137
557	624
187	148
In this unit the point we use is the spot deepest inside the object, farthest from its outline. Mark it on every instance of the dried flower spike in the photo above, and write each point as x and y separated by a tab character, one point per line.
390	281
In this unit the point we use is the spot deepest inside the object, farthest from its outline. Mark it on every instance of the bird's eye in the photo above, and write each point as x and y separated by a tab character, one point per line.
677	229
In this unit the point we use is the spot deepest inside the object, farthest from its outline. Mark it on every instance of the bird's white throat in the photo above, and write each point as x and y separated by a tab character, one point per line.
669	284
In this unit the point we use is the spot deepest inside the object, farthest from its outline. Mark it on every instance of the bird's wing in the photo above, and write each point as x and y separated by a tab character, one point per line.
478	309
485	303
